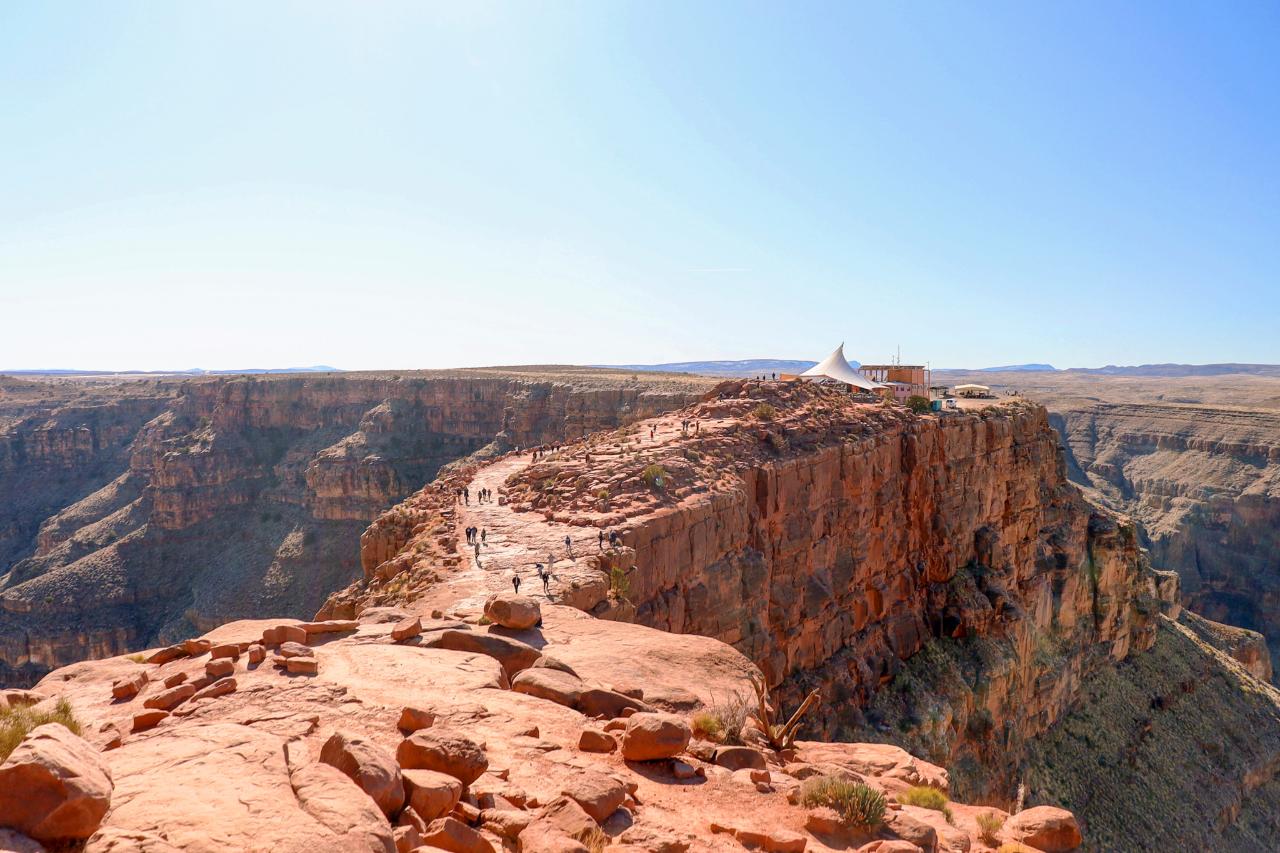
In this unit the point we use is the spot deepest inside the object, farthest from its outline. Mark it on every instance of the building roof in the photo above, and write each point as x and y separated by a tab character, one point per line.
837	368
972	387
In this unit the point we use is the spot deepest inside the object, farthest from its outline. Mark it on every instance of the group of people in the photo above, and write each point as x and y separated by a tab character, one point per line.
482	495
474	532
685	424
613	537
544	575
543	449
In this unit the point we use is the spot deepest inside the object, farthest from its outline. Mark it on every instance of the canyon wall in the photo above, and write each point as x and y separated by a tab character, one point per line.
215	499
1204	483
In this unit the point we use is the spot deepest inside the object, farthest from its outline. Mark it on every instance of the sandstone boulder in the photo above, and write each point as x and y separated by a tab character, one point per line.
302	666
54	786
148	719
167	700
257	654
449	833
225	650
555	829
444	751
336	803
219	668
608	704
1050	829
550	684
653	735
412	719
518	612
406	628
431	794
594	740
598	794
221	687
739	758
513	655
371	767
128	687
290	649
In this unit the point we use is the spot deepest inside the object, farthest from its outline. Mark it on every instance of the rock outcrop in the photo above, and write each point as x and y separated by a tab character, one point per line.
150	510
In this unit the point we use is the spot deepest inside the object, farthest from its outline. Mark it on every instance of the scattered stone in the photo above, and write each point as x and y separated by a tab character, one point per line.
257	654
518	612
412	719
54	786
336	802
618	725
329	626
216	669
653	735
290	649
406	628
221	687
128	687
370	766
682	770
431	794
302	666
550	684
598	794
449	833
549	662
740	758
594	740
505	823
168	654
774	840
291	634
195	648
406	838
225	650
175	679
444	751
608	704
908	827
167	700
148	719
1047	828
561	818
512	654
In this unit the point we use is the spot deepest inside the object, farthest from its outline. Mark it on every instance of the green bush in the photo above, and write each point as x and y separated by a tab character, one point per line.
858	805
655	477
926	798
764	412
918	404
989	826
17	722
722	722
619	584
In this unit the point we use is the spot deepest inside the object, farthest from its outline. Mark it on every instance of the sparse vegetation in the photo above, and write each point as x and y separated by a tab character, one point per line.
918	404
764	412
989	826
594	839
858	805
619	583
655	477
722	722
926	798
138	657
17	722
780	736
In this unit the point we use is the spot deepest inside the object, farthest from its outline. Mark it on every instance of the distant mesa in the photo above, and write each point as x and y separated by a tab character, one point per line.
1181	369
742	367
1012	368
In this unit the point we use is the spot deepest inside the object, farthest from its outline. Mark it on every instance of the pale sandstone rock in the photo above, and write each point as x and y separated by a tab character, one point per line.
449	833
608	704
335	802
257	654
219	668
739	758
371	767
148	719
54	786
512	654
167	700
444	751
1050	829
518	612
598	794
302	666
550	684
127	688
651	735
406	838
291	649
221	687
432	794
225	650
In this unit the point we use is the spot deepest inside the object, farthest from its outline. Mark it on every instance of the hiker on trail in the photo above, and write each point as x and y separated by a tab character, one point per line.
568	546
466	495
546	584
483	535
468	532
477	549
600	539
515	582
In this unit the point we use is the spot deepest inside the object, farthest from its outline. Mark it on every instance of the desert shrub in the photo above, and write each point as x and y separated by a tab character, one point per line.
764	412
654	476
858	805
989	824
722	721
619	584
17	722
138	657
926	798
918	404
593	838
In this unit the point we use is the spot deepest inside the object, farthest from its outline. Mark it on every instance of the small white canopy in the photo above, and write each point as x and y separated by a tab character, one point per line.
971	387
836	367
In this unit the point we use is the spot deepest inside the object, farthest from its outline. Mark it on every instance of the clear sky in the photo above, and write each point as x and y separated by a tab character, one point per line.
398	185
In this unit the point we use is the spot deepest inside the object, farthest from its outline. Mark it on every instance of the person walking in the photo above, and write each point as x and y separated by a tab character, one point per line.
466	495
484	535
546	584
600	539
568	546
515	581
477	552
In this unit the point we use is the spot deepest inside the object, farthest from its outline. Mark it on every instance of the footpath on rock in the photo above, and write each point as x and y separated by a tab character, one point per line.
434	709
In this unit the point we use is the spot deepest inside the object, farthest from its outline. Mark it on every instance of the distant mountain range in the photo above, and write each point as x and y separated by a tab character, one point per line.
742	367
194	371
1023	368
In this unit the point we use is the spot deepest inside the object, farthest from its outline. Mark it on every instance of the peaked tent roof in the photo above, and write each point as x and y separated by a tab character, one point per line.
836	367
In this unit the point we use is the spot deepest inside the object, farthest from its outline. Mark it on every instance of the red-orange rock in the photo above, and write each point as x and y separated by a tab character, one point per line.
54	786
1050	829
412	719
127	688
148	719
598	794
167	700
371	767
406	628
444	751
650	736
518	612
431	794
448	833
594	740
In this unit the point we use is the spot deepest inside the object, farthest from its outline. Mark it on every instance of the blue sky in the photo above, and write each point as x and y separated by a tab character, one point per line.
397	185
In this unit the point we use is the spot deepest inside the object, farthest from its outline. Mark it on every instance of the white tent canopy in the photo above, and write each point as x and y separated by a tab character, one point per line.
837	368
